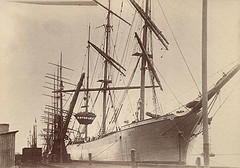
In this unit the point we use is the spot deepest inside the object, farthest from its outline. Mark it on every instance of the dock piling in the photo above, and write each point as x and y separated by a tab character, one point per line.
90	158
133	158
198	162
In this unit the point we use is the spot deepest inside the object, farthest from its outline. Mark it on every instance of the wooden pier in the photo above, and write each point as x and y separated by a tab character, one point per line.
108	164
80	164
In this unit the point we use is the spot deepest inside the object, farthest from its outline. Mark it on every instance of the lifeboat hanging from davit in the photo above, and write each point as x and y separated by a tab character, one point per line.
85	117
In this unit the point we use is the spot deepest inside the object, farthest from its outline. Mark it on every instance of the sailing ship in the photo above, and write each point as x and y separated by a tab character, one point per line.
158	138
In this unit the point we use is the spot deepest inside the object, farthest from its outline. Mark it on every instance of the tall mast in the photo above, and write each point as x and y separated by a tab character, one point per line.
143	67
105	81
54	112
61	110
88	64
48	139
204	85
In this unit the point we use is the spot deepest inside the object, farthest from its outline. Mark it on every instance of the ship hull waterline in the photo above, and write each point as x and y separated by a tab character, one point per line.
157	140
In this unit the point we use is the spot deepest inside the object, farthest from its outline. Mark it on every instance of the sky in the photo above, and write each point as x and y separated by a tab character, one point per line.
33	35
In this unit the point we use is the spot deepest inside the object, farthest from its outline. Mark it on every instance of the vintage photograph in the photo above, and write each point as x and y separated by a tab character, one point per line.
120	83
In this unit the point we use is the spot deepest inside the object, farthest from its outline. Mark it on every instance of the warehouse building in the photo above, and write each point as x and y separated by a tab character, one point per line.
7	146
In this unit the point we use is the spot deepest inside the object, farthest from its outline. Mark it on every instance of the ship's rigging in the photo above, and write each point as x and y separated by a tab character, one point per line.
108	80
108	89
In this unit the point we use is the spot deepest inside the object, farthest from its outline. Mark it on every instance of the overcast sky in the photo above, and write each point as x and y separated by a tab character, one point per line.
32	35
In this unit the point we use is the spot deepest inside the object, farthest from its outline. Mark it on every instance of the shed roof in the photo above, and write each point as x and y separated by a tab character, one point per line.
11	132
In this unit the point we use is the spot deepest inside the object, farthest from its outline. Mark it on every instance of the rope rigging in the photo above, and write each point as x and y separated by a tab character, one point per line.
115	116
186	91
123	61
226	98
156	104
171	89
115	43
179	47
112	96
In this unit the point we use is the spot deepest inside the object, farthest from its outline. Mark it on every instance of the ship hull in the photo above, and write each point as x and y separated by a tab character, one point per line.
161	140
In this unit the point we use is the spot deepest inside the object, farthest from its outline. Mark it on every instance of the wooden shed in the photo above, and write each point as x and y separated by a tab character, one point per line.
7	146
